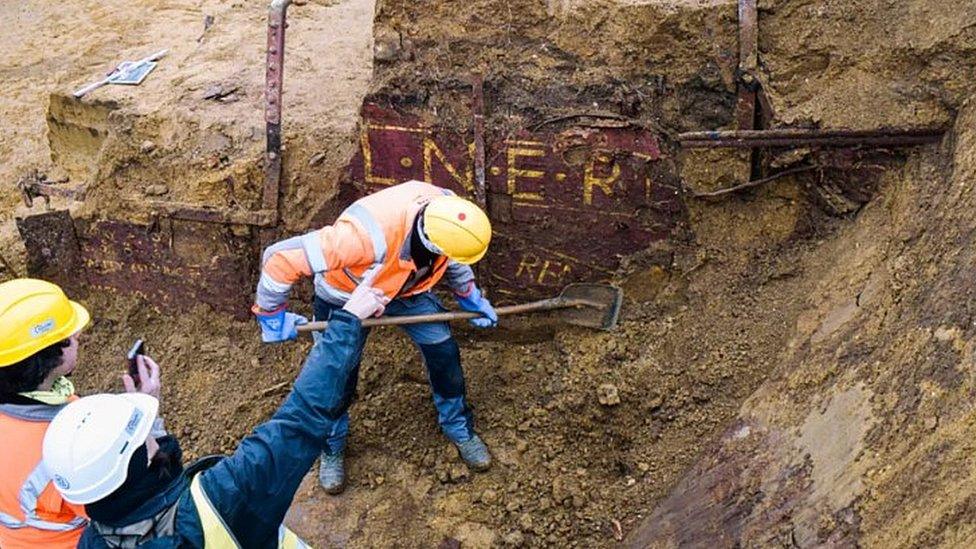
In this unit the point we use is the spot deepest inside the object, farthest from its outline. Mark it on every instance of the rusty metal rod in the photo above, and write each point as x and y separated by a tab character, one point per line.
747	84
750	184
748	36
274	80
716	135
827	141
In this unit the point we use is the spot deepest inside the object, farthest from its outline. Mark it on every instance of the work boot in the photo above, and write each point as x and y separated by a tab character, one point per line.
332	473
474	453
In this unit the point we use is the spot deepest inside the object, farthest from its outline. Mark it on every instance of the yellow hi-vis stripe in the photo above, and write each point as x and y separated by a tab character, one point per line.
216	535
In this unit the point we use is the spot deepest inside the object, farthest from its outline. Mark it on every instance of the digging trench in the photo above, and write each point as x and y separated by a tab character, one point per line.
793	365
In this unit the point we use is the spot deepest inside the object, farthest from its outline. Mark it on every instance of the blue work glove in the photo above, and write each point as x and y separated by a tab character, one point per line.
472	300
278	325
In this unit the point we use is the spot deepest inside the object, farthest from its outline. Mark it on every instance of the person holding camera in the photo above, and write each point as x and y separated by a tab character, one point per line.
39	329
103	453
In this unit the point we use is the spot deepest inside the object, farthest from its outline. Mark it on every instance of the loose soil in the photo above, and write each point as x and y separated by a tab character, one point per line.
794	375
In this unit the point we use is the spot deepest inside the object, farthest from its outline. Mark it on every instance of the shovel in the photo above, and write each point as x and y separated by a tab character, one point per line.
130	73
589	305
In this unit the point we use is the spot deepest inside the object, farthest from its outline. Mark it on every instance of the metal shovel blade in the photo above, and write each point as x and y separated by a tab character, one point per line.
598	305
132	73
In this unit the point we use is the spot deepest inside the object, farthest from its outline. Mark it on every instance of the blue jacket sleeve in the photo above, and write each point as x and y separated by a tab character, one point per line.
253	488
458	276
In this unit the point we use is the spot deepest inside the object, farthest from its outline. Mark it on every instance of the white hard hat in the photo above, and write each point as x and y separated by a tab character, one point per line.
88	445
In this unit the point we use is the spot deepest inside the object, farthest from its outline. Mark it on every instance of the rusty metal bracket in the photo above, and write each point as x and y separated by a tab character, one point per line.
274	80
36	185
810	137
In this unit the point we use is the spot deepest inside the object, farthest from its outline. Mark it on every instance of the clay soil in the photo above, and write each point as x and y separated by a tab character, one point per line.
759	319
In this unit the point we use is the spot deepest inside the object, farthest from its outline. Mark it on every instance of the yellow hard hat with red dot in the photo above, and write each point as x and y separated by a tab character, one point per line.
458	227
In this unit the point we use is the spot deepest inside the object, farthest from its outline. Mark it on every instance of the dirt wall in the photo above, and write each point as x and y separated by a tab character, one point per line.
867	64
193	132
860	436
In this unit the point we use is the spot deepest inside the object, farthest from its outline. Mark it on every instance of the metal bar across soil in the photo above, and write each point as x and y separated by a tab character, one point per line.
719	135
30	191
829	141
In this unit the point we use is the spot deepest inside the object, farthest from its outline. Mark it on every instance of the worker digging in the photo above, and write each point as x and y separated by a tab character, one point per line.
410	236
39	333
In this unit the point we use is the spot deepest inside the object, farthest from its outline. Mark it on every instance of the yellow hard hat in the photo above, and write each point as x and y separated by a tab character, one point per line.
35	314
458	228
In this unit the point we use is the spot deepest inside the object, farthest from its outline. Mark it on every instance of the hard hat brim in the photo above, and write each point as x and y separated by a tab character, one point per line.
471	260
149	406
82	318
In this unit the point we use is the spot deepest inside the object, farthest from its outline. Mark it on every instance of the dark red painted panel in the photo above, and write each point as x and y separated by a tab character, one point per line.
565	206
174	268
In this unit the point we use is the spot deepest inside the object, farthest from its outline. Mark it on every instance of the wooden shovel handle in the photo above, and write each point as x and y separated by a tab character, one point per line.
543	305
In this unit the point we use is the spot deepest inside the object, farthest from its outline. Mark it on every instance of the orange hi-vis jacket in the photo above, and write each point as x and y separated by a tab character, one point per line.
374	232
32	513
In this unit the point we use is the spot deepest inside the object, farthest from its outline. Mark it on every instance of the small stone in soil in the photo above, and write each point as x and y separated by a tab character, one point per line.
608	395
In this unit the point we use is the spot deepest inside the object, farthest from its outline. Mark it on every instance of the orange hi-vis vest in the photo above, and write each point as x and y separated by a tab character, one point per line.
371	233
32	513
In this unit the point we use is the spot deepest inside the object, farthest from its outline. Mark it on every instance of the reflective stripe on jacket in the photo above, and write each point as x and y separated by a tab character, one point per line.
374	232
251	490
32	513
216	534
181	515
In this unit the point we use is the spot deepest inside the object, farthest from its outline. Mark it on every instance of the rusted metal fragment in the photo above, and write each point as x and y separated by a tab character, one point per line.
47	190
174	267
52	248
565	205
36	185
